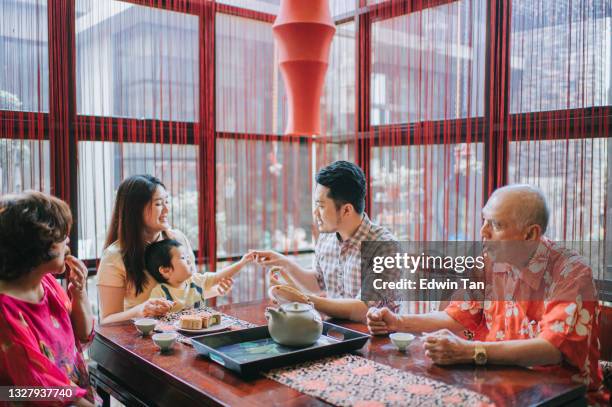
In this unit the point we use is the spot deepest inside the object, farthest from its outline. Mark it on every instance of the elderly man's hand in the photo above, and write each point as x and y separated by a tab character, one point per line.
381	321
445	348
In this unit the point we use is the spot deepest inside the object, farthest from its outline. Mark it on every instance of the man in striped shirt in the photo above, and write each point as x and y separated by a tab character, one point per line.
334	283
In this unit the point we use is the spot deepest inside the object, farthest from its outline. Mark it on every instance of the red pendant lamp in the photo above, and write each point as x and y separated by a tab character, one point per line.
303	30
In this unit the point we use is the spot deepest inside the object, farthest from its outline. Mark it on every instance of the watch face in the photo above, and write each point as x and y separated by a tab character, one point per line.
480	358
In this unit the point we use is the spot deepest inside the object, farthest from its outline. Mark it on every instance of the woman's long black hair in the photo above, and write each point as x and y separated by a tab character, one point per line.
127	225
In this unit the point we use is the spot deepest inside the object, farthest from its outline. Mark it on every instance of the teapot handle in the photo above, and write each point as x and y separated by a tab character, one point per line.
316	317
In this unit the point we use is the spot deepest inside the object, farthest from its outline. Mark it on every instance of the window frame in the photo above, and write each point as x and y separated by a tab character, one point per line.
61	125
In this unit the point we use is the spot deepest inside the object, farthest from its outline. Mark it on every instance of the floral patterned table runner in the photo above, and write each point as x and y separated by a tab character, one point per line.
351	380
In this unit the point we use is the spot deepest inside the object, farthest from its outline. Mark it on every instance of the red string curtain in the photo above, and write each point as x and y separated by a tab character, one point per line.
338	104
24	96
426	103
143	103
256	179
259	187
538	93
137	85
559	123
265	179
446	113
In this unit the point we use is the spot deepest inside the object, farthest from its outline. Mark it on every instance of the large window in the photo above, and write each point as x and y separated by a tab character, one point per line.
575	188
428	192
327	152
561	55
250	95
339	93
138	62
429	64
426	65
24	164
250	91
337	7
265	6
264	188
263	196
24	58
102	167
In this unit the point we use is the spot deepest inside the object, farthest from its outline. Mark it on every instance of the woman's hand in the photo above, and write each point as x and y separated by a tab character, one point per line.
156	307
80	315
77	278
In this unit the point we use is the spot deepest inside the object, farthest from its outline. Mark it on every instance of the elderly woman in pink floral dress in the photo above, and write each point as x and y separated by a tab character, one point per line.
42	327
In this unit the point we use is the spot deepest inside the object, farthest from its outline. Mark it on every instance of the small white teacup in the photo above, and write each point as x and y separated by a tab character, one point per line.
401	340
145	325
165	340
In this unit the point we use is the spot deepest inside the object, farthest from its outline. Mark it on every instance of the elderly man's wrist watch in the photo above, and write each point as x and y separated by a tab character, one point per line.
480	355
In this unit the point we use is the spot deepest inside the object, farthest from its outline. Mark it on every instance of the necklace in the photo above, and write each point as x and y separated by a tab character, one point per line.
156	239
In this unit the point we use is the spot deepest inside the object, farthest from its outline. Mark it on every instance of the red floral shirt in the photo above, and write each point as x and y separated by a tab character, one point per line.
553	297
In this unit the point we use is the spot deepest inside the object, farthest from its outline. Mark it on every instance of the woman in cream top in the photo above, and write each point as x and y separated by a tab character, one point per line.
112	273
140	216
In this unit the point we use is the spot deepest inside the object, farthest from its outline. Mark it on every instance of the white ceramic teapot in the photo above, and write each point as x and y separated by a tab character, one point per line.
294	324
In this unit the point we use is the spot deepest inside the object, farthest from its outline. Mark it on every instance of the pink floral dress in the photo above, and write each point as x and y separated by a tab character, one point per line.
37	343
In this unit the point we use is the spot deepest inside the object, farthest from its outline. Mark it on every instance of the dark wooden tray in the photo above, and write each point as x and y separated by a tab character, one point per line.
252	350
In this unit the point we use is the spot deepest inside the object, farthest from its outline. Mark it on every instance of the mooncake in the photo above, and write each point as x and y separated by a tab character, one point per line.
191	322
210	318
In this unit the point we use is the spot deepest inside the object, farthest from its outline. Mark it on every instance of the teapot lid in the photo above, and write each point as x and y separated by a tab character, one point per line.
296	307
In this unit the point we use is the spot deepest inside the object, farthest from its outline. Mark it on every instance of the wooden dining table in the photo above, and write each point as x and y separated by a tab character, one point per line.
130	368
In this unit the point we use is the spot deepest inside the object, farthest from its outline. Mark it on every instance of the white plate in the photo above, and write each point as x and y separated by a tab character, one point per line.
225	323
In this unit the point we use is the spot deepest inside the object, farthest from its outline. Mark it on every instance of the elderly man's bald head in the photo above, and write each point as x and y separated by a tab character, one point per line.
526	203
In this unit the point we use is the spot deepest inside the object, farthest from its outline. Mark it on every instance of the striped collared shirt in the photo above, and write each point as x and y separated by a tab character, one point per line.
338	262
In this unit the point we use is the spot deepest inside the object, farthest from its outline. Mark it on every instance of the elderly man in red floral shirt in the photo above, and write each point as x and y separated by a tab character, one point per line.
541	310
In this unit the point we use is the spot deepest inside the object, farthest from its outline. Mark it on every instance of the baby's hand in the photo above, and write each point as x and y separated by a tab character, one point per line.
224	286
248	257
